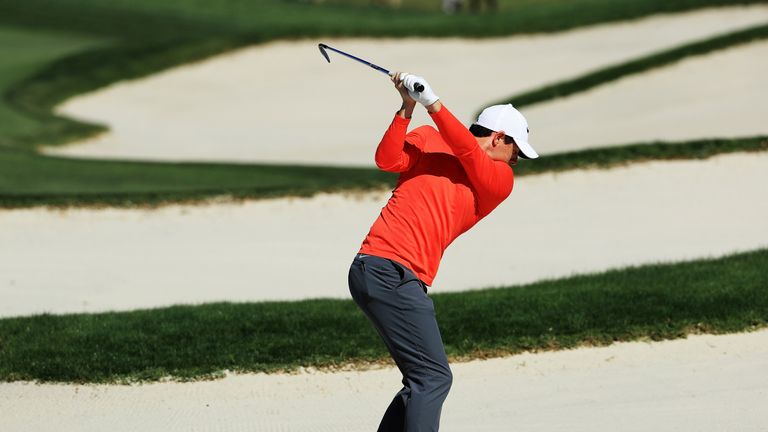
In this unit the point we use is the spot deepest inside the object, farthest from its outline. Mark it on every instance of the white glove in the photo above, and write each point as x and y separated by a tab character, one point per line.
425	97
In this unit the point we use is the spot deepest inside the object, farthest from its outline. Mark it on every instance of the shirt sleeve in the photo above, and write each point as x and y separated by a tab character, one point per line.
394	153
492	179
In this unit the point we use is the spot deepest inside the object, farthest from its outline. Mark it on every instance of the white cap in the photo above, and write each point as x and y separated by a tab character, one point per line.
506	118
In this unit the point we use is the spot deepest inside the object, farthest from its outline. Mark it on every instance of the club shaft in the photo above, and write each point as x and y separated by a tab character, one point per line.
418	87
378	68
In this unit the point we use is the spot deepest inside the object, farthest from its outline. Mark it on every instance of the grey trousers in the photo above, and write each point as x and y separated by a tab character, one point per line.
396	303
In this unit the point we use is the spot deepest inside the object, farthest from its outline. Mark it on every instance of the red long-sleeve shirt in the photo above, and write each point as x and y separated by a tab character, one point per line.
447	184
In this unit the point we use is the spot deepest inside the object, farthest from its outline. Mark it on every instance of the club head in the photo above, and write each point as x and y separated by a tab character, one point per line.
323	52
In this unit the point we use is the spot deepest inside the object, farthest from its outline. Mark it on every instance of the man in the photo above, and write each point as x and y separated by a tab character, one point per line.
449	180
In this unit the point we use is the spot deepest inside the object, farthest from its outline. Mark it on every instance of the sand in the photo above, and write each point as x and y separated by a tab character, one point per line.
334	114
712	96
553	225
700	384
87	260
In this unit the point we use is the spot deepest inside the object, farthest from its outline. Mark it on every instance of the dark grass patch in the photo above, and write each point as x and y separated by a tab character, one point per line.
297	18
644	64
38	94
609	157
151	36
28	179
653	302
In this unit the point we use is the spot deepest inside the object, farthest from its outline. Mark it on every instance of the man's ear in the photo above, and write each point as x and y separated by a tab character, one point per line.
498	135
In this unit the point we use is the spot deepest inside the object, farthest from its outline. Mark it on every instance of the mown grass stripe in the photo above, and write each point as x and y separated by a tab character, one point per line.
28	179
610	157
151	39
661	301
38	94
644	64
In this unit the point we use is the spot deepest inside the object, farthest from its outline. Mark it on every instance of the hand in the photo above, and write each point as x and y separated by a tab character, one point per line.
425	97
400	86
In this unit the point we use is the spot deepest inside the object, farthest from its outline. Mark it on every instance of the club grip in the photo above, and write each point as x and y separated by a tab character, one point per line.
418	87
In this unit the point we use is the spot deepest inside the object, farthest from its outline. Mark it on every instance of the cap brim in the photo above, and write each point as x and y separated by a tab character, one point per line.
526	151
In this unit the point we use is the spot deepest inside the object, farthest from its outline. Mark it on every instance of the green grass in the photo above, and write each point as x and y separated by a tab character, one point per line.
609	157
37	94
644	64
28	179
34	97
296	18
46	62
24	52
151	35
653	302
53	49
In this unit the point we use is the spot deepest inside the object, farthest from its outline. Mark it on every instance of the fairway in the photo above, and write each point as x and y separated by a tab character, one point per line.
706	383
185	183
177	125
120	259
23	52
723	98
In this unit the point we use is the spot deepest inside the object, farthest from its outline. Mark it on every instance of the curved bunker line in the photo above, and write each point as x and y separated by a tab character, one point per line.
637	66
165	104
576	222
701	383
712	95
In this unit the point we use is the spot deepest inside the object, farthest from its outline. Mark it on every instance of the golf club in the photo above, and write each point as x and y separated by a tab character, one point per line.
418	87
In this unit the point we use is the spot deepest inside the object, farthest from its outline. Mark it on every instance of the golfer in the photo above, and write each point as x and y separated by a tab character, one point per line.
450	178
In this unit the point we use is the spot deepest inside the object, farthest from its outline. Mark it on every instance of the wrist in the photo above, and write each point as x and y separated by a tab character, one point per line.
406	110
435	107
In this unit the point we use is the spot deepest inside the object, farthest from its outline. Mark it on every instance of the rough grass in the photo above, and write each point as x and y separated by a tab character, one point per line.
24	52
150	35
644	64
652	302
28	179
121	39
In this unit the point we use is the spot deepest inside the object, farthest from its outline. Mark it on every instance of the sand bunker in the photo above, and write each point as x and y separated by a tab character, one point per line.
280	102
95	260
580	221
718	95
704	383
